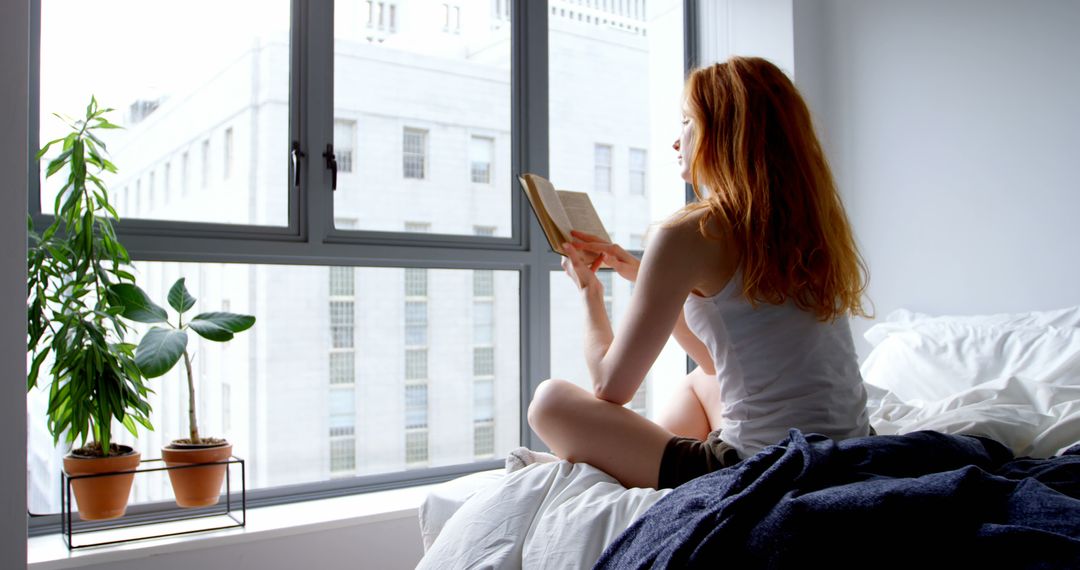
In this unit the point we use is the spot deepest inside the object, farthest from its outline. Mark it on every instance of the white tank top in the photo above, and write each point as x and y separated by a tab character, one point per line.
779	368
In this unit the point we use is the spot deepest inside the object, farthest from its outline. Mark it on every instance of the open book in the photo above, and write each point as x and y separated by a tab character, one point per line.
560	211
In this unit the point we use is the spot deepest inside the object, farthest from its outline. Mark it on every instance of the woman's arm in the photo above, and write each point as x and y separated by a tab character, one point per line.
626	265
693	346
670	269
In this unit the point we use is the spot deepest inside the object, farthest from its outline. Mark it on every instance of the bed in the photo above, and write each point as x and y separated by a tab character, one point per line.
977	462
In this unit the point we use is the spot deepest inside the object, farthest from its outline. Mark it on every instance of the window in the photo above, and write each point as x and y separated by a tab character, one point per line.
428	323
481	150
184	173
414	153
341	324
167	183
381	16
602	162
415	282
206	164
451	18
150	191
343	144
227	159
342	430
637	171
483	418
416	423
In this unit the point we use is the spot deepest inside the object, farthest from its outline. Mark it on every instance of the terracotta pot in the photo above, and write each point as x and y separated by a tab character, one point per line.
105	497
196	486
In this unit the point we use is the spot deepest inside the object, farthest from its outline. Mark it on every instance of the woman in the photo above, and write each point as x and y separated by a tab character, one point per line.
755	280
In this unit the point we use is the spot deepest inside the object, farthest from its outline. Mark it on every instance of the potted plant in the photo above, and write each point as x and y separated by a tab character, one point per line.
73	319
158	352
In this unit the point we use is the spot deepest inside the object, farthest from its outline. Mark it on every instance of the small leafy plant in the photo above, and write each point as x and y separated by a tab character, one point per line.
71	315
162	347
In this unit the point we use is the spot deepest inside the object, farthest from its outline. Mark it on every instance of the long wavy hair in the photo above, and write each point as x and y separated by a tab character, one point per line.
769	185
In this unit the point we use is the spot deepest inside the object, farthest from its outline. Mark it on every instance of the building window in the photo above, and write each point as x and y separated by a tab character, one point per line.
382	16
483	283
341	324
483	361
416	282
416	364
638	171
184	172
414	153
602	160
344	136
342	367
484	230
342	455
342	352
166	183
500	11
342	429
342	281
451	18
138	196
206	164
416	323
150	192
483	417
416	423
481	155
417	227
227	166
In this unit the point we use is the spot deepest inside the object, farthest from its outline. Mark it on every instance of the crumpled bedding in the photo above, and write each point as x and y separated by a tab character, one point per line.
915	500
554	515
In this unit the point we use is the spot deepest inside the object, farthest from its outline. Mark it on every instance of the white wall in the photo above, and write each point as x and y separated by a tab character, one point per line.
954	131
14	44
759	28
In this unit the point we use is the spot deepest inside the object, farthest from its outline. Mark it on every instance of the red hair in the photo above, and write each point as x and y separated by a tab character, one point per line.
771	188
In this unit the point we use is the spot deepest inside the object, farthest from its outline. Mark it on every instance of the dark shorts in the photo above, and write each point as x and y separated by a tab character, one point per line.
686	458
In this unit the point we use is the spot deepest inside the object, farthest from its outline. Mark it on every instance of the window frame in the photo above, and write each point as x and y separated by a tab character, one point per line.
310	238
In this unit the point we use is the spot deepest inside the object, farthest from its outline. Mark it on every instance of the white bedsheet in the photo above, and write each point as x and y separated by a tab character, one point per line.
546	515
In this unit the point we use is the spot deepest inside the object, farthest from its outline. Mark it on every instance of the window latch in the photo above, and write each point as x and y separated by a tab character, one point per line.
296	154
331	163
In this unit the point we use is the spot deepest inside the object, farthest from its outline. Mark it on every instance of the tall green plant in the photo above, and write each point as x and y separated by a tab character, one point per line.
71	314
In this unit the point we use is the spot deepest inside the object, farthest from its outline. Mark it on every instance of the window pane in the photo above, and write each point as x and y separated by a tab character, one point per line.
293	395
415	282
484	361
615	113
614	142
219	96
483	283
427	85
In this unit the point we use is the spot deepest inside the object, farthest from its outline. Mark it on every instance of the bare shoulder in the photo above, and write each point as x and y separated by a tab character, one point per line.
681	235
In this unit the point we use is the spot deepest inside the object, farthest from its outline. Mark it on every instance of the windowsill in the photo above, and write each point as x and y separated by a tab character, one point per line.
265	523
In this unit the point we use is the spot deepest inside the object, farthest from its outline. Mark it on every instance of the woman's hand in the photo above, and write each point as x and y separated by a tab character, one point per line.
580	270
617	258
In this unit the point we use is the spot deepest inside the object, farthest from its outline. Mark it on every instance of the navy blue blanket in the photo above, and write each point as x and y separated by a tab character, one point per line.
919	500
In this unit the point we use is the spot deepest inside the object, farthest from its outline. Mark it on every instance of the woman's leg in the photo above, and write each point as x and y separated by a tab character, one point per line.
579	427
694	410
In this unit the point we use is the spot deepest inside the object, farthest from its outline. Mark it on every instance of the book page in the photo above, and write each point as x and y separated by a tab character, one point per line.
582	216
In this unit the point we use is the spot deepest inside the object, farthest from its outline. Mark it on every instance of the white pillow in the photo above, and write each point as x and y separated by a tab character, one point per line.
933	359
903	319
